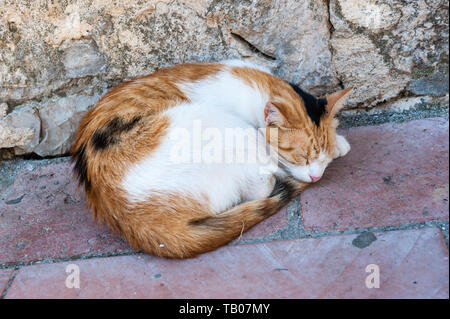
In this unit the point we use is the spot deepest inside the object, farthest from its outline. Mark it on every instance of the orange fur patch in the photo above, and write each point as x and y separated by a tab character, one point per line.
299	139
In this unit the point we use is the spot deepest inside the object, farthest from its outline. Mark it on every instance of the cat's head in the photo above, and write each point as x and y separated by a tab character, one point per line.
305	135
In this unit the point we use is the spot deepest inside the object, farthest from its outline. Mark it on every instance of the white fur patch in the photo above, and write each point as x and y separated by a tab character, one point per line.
230	94
225	184
342	146
220	102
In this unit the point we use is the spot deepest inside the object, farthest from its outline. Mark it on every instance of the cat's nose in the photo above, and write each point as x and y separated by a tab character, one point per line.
315	178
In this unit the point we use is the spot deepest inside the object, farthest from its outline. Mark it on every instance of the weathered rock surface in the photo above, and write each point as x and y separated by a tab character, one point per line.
45	128
20	129
389	48
57	58
59	121
293	33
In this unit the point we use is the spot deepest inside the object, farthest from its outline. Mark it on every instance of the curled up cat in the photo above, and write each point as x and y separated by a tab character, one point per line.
184	160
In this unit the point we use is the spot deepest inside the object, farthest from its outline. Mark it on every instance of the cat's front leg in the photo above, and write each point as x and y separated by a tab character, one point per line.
342	146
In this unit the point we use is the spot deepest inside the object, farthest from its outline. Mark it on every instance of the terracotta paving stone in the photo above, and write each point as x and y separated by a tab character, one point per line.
5	275
44	216
412	264
267	226
47	217
396	173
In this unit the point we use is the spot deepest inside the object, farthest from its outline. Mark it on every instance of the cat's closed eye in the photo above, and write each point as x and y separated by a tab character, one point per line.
300	158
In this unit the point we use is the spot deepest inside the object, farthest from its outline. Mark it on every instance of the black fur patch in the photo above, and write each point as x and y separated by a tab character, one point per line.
314	107
80	168
104	137
285	189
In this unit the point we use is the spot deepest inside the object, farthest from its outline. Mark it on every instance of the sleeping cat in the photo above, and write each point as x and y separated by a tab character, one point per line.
152	154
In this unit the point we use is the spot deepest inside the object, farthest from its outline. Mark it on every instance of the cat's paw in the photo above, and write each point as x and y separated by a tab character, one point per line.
342	146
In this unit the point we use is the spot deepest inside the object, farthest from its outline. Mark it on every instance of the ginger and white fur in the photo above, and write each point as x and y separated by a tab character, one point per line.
128	187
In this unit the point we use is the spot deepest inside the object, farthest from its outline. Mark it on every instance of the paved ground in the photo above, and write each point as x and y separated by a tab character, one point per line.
383	209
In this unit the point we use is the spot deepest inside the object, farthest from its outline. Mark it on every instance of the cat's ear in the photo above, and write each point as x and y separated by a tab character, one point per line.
273	116
335	101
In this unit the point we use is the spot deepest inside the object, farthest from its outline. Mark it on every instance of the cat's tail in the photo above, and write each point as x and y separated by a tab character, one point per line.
207	231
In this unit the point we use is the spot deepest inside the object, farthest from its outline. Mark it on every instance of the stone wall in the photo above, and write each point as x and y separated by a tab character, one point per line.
58	57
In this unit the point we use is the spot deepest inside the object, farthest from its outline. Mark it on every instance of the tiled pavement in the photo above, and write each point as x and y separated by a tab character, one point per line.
384	204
